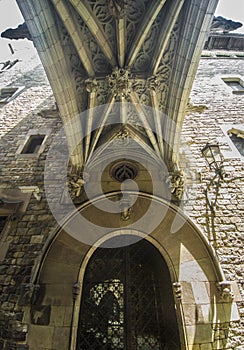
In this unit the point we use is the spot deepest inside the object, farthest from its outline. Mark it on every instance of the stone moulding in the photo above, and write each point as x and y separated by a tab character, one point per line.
225	291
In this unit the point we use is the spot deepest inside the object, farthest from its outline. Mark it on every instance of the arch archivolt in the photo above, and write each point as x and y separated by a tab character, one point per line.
196	277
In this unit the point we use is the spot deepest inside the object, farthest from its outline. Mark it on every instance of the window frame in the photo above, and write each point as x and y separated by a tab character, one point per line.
233	153
17	90
234	79
24	144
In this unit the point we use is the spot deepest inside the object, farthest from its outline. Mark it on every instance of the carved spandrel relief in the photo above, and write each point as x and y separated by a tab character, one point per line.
145	55
98	58
122	139
101	11
140	87
91	85
132	116
102	92
164	70
135	12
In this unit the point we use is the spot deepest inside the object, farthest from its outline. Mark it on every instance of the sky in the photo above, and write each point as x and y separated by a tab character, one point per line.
10	17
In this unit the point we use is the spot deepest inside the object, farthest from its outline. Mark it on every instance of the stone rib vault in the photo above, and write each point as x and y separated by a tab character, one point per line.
139	51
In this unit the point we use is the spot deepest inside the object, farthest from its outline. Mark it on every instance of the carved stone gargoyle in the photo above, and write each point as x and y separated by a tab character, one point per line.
223	25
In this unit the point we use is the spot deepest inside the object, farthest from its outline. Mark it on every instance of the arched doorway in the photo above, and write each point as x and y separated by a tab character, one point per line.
127	301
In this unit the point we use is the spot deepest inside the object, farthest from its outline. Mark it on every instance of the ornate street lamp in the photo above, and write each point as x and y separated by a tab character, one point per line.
215	161
214	158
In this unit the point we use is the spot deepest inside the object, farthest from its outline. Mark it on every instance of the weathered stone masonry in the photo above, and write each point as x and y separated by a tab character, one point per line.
27	233
24	233
223	108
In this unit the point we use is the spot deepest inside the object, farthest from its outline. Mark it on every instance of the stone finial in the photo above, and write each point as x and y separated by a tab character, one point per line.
225	291
120	83
176	181
177	289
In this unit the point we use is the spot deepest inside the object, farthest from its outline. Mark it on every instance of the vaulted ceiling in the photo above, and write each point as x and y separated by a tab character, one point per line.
136	52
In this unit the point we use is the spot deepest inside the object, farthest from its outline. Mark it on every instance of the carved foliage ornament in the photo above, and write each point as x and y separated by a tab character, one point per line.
120	83
75	184
91	85
176	182
153	83
225	291
122	138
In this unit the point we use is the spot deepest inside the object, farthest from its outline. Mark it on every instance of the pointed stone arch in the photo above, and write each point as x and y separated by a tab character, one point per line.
139	274
204	299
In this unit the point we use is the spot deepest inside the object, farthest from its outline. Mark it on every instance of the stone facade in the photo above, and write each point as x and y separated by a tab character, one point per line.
224	229
25	231
28	230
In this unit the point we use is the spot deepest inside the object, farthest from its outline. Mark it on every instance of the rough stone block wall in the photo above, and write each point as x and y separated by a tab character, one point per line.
25	233
225	227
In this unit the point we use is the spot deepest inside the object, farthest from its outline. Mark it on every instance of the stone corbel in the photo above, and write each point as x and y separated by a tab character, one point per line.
224	289
76	183
177	290
176	182
191	108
